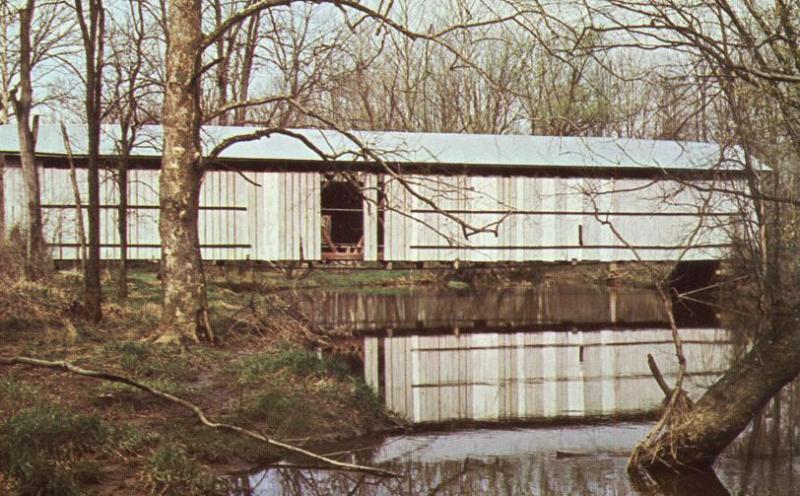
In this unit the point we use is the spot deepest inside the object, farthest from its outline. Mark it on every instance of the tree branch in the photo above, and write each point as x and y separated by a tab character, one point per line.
198	412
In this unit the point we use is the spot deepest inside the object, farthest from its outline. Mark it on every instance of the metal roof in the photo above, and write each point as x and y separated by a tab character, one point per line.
510	151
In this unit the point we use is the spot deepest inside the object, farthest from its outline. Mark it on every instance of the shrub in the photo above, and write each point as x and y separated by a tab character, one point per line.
12	255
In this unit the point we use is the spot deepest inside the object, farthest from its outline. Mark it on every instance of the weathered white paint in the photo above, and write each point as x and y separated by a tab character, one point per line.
556	219
371	361
277	216
370	193
267	216
286	216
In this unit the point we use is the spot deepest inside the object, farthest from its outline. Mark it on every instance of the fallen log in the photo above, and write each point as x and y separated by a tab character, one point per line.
198	412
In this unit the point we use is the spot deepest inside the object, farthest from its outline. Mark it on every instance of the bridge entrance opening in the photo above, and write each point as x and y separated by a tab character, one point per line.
342	220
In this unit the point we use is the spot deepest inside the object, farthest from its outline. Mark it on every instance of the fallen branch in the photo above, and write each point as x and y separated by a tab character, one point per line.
68	367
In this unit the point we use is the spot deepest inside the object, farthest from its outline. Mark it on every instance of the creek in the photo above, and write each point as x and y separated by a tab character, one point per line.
539	390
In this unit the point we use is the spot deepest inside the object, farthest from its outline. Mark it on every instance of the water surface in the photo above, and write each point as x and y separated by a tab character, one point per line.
532	391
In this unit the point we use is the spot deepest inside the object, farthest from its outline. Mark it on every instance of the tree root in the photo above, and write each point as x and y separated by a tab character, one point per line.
198	412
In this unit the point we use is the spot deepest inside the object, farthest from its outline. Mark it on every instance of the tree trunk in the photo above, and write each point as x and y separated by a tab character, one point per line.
37	263
240	114
185	308
2	197
726	409
122	224
5	76
93	38
76	192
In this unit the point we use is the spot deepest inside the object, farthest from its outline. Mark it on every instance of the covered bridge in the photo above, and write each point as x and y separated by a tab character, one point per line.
408	196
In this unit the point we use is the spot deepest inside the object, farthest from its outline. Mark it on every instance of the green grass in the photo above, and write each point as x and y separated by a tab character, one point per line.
254	369
318	279
130	440
281	389
40	449
13	390
141	359
170	471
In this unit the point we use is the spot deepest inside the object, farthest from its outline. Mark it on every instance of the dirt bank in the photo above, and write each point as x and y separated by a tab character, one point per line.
62	434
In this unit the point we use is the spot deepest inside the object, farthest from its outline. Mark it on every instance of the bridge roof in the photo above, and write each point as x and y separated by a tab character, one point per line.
485	150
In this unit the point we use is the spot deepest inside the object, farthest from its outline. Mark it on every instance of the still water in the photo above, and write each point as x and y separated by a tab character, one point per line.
532	391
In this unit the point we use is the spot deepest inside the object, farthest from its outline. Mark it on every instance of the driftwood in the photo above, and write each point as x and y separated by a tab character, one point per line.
198	412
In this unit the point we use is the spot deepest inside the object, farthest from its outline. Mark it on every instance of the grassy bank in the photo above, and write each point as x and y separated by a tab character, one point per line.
66	435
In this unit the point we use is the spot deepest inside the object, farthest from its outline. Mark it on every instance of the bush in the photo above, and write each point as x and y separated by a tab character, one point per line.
147	360
12	256
30	305
170	471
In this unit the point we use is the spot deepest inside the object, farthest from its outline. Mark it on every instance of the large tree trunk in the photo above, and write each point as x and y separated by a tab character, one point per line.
185	308
37	261
725	410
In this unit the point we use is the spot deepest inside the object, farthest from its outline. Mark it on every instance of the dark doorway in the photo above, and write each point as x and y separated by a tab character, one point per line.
342	221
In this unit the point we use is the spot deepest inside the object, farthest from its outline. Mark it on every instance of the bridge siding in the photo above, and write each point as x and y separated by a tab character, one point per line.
280	218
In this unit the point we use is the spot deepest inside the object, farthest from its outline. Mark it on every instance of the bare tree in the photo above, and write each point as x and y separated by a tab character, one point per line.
37	259
92	26
129	88
185	308
5	103
76	193
743	49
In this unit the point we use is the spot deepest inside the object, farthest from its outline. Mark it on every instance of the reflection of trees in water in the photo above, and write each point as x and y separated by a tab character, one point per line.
544	475
758	463
764	452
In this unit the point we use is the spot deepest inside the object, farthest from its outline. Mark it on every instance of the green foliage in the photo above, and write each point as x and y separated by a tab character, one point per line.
132	355
13	390
127	439
167	363
366	398
284	409
170	471
317	279
52	431
41	477
290	358
39	448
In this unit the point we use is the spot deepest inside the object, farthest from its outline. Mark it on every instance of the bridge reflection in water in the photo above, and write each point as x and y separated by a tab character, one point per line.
551	353
518	354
